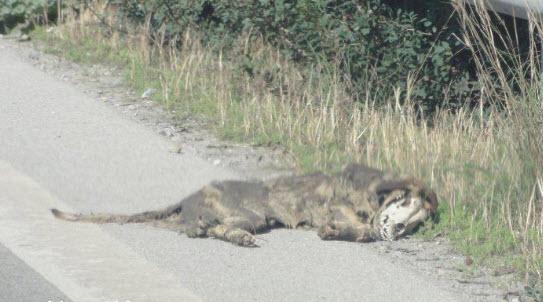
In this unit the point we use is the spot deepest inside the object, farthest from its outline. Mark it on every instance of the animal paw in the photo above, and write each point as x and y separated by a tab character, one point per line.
195	232
328	232
367	237
241	238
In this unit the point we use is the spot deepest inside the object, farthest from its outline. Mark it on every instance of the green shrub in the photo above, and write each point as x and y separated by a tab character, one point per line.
369	40
18	11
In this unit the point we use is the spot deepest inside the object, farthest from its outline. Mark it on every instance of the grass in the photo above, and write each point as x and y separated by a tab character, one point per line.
484	163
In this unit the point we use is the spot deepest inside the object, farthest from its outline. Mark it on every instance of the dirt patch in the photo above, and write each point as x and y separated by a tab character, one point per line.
434	258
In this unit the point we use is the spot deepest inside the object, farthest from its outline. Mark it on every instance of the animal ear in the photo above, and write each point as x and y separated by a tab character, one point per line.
431	200
360	175
349	171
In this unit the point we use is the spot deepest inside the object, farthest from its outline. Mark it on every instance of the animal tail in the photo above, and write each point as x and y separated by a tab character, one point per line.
148	216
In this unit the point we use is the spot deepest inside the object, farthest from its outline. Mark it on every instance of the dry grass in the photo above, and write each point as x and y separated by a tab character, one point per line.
485	164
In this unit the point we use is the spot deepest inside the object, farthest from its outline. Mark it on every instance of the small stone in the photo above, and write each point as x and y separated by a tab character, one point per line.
216	162
468	261
503	271
168	132
176	149
23	38
148	93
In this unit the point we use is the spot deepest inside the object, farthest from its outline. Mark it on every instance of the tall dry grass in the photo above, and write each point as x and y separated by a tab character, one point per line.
514	80
485	163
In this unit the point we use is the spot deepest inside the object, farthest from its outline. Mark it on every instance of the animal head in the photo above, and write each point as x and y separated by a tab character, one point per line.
404	205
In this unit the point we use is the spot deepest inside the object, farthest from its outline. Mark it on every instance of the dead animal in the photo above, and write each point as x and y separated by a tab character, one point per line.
357	204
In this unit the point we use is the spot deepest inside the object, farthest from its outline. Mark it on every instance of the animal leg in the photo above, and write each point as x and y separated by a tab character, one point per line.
172	223
231	230
339	230
232	234
345	225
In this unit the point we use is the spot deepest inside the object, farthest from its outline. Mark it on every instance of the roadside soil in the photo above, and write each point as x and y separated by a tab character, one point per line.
189	134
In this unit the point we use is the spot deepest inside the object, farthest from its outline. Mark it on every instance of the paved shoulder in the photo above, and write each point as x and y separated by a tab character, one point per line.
80	259
19	282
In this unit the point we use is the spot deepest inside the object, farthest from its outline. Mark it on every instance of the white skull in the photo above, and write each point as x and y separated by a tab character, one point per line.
401	216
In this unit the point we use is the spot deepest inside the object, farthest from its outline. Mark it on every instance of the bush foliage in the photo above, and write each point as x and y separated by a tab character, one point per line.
17	11
367	39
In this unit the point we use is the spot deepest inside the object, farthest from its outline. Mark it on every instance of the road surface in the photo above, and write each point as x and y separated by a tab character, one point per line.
59	148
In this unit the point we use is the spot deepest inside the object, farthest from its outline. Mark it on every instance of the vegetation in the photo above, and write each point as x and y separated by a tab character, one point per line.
366	40
18	11
486	163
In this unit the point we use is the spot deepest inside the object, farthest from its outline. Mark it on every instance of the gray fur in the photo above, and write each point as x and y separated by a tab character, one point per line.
341	206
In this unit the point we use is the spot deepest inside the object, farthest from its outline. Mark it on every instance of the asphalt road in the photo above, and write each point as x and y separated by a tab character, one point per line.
15	278
59	148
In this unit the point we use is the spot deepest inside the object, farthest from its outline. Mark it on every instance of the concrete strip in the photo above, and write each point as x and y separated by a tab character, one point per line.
19	282
80	259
